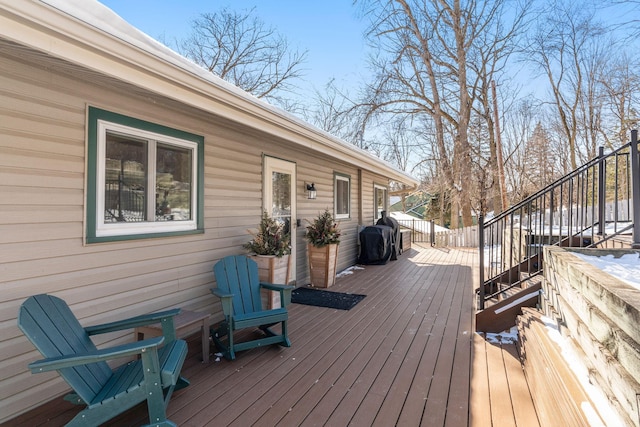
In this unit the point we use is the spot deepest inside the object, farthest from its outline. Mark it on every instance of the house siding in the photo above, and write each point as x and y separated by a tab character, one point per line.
369	180
42	213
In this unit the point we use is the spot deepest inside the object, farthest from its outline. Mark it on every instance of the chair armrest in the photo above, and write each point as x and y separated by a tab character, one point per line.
226	300
68	361
276	287
285	291
217	292
133	322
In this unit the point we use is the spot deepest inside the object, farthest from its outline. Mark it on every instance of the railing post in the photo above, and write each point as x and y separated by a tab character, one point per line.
413	231
481	260
432	237
602	202
635	179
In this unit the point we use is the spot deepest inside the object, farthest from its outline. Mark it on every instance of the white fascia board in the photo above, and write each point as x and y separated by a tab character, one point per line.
135	58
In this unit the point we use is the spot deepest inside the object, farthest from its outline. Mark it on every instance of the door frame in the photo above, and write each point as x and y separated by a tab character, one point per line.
272	164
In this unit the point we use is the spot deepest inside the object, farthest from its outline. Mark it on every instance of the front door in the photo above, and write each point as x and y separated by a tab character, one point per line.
279	198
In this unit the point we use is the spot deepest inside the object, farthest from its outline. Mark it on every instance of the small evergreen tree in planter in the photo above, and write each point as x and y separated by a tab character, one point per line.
270	239
323	235
272	249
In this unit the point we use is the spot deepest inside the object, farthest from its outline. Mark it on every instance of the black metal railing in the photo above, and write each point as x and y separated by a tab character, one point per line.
124	202
584	208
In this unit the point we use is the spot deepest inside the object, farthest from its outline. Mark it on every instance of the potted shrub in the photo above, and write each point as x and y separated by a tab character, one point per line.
271	247
323	236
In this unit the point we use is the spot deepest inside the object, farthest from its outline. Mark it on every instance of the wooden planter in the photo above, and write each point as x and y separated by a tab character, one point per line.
273	270
322	265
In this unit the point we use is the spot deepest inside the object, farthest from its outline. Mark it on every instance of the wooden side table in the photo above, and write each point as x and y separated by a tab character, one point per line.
185	323
405	240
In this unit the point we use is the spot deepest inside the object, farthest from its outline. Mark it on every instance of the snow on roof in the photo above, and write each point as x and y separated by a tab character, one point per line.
101	18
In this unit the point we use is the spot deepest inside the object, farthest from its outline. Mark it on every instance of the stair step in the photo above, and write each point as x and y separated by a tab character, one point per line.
501	315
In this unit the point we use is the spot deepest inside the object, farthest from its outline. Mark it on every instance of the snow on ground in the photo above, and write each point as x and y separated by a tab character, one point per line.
493	256
510	337
625	267
348	271
582	374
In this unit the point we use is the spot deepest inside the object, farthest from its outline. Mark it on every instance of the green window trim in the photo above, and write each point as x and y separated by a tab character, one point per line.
98	120
342	204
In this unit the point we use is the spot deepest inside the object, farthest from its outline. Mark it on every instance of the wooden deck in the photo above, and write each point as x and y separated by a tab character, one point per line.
403	356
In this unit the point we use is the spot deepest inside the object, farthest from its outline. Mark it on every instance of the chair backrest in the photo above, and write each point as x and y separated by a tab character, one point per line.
54	330
238	275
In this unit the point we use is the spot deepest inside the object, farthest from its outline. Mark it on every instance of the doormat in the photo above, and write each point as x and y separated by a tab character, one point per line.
319	298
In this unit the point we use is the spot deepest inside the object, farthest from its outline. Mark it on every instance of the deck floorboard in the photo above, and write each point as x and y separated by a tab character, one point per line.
405	355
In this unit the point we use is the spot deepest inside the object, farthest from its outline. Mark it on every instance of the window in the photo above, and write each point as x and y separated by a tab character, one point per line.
380	200
144	179
342	193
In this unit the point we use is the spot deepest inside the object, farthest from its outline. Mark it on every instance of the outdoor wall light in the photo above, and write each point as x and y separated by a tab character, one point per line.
311	189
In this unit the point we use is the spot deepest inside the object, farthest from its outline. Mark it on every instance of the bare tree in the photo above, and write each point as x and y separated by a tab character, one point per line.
520	124
621	92
567	49
426	48
335	112
538	163
400	139
630	20
241	49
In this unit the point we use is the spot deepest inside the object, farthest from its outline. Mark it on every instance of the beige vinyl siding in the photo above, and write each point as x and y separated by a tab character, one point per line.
42	201
42	208
321	173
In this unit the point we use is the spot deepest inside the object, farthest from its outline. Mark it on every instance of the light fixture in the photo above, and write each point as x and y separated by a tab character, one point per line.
311	191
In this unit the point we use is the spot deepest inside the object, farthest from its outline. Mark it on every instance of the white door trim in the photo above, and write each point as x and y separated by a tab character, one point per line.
271	165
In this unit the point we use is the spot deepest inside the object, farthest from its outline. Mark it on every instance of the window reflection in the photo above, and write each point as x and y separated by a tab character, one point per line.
281	199
342	197
125	179
381	201
281	196
126	195
173	183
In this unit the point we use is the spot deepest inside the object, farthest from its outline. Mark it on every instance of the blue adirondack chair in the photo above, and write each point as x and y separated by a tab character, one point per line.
67	347
239	291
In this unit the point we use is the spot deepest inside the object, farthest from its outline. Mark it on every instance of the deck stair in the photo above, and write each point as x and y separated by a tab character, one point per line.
558	395
589	207
501	315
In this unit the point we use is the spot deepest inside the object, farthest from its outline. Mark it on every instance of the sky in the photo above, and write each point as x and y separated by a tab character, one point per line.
329	30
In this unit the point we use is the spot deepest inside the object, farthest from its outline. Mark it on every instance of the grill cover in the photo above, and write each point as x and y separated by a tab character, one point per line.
396	247
375	245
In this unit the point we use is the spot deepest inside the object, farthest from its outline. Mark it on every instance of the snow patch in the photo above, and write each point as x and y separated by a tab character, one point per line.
625	267
348	271
510	337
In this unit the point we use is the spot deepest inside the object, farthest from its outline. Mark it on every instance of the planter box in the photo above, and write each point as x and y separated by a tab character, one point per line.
322	265
273	270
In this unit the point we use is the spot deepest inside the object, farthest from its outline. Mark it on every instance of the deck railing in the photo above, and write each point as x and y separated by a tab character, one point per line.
584	208
423	231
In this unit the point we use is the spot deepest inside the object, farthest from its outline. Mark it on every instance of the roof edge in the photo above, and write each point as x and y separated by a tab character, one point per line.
90	35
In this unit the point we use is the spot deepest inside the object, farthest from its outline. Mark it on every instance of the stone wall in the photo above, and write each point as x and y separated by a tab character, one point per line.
600	315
